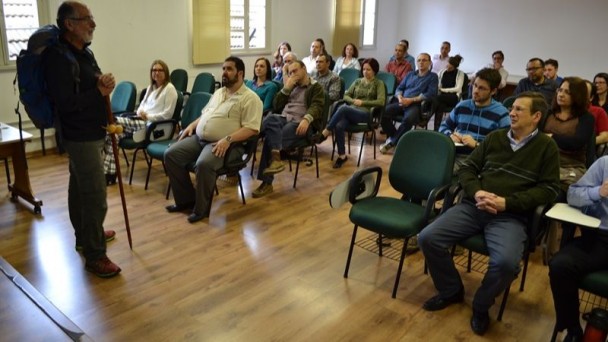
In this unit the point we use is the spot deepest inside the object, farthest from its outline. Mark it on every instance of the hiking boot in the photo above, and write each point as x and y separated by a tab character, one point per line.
275	167
262	190
102	267
386	147
108	234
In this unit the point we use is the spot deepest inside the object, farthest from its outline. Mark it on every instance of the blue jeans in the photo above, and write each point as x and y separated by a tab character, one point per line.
279	134
505	235
344	116
411	116
87	203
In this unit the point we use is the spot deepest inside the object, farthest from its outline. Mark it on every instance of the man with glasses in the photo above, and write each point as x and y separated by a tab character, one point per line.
81	112
513	171
298	105
536	81
327	78
416	87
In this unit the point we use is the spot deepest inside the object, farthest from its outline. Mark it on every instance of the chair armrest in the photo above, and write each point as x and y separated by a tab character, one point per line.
249	145
437	192
356	185
537	226
161	130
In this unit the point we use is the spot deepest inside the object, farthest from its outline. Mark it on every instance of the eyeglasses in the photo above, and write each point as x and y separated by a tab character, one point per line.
423	60
533	69
87	18
157	70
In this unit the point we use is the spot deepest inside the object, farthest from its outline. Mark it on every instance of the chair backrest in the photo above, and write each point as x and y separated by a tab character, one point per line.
177	113
279	85
179	78
349	75
342	87
423	160
204	82
464	94
508	102
596	283
389	80
123	97
194	106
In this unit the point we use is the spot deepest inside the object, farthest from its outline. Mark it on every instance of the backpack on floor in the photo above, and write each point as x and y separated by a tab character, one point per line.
30	75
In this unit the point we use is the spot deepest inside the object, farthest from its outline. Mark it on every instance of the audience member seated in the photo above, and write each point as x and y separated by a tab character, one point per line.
599	115
261	83
472	120
288	58
327	78
600	98
409	58
511	173
310	61
158	104
570	126
497	59
349	59
416	87
297	106
234	113
279	55
363	94
551	68
399	66
536	80
441	60
451	80
583	255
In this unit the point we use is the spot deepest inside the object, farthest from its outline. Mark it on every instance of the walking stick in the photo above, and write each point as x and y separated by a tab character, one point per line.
118	176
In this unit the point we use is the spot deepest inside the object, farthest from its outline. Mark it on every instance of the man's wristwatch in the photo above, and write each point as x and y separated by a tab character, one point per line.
228	139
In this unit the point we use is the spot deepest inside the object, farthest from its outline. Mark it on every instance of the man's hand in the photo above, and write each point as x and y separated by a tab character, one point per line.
406	101
489	202
604	189
220	148
105	84
186	132
302	127
143	115
358	103
468	140
456	137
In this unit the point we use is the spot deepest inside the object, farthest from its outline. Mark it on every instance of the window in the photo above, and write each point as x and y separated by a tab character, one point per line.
248	25
368	23
20	18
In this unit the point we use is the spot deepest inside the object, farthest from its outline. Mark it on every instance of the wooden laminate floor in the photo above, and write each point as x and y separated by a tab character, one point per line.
270	270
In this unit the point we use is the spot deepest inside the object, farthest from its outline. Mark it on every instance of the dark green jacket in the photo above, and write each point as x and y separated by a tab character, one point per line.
315	103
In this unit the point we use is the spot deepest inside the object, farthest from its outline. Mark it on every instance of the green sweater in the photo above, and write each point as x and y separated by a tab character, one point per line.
371	93
315	103
526	178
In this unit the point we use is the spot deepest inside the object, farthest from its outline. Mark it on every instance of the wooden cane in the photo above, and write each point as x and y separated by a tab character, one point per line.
118	175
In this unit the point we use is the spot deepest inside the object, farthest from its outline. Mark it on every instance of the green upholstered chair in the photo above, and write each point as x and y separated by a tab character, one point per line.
204	82
192	111
421	170
123	97
508	102
349	76
179	79
390	81
156	131
596	283
535	231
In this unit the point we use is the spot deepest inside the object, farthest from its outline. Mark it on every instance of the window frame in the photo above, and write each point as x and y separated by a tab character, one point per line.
246	50
43	18
363	46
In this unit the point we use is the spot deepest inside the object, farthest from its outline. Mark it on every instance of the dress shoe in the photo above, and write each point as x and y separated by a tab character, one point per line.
480	322
439	303
275	167
179	207
194	217
262	190
318	138
339	162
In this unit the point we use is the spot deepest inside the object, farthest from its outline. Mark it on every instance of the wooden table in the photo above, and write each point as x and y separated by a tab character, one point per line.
12	146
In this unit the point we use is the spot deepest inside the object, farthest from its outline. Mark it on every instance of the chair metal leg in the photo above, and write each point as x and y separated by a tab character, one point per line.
333	145
295	178
241	187
503	304
124	153
132	165
400	267
316	159
350	251
8	171
148	173
469	261
361	148
524	272
42	141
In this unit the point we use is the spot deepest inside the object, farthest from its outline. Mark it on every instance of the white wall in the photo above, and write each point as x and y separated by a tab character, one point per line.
130	34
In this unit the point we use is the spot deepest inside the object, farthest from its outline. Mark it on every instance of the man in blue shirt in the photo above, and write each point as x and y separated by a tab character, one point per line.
536	81
583	255
416	87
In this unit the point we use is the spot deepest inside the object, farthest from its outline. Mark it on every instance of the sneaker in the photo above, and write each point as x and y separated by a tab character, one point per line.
102	267
109	235
386	147
262	190
139	136
275	167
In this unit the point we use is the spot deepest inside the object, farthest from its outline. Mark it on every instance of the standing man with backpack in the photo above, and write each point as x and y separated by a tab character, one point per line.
80	108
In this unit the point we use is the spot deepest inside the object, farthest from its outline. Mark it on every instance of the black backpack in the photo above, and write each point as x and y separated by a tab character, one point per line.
30	74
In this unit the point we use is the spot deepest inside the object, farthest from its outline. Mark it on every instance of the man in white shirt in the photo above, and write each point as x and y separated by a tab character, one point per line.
311	61
440	61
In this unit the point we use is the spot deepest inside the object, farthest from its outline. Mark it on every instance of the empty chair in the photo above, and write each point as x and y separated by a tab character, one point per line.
204	82
179	78
123	97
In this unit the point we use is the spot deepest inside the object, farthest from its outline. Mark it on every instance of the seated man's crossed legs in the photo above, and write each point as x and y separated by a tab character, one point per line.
411	116
279	134
504	234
